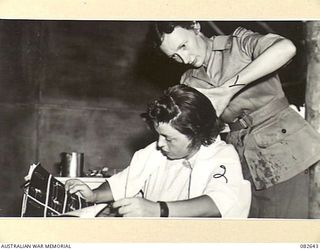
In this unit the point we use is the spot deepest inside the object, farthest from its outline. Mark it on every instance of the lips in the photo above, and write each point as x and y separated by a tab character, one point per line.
165	153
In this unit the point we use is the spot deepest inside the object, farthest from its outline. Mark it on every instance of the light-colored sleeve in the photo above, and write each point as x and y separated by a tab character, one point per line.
226	186
131	180
254	44
185	77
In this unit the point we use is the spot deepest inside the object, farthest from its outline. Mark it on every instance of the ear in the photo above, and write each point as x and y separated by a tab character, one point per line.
196	27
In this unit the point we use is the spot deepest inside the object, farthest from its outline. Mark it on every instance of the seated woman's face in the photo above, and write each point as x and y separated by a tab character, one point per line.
174	144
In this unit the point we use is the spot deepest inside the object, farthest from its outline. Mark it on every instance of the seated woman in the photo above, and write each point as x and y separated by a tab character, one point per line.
187	172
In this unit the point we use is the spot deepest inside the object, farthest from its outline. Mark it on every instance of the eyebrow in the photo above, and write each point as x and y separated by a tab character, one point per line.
167	136
181	45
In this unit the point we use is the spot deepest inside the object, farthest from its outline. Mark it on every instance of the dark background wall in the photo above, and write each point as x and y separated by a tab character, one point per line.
81	85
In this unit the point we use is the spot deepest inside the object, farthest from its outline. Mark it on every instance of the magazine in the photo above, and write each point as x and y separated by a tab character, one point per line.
45	196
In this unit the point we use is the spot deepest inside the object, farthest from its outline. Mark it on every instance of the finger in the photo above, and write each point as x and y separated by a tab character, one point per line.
77	188
122	202
128	211
70	183
124	210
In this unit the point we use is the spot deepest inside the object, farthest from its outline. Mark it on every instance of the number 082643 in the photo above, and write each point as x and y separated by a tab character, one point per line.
308	246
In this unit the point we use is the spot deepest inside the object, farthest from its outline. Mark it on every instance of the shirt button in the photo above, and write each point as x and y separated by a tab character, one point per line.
284	131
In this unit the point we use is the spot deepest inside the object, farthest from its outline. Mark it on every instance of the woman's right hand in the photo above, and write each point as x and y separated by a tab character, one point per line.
79	187
220	96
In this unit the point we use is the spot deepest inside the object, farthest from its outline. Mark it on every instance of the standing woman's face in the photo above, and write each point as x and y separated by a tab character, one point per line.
185	46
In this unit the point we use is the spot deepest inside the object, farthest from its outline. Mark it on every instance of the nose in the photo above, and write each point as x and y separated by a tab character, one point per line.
161	141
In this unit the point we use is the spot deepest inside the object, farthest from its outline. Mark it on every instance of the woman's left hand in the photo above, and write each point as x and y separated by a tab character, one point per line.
137	207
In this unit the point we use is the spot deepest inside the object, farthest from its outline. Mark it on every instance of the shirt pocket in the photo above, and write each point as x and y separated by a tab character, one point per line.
281	130
277	151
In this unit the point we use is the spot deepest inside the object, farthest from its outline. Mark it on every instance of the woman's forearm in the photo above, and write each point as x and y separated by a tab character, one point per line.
202	206
269	61
103	193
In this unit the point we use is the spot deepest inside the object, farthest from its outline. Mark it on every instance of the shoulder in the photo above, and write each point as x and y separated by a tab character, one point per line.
147	159
253	43
220	150
240	31
246	35
148	151
224	150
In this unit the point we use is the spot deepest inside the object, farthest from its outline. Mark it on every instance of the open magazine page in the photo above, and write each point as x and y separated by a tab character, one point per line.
88	212
45	196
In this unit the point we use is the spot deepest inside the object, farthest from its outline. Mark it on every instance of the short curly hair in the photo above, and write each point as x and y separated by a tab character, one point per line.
188	111
160	28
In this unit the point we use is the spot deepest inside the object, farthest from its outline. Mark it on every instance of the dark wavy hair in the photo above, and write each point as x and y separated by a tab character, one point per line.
160	28
188	111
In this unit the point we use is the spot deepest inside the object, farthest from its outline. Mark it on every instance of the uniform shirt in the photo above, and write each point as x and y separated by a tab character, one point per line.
214	170
228	56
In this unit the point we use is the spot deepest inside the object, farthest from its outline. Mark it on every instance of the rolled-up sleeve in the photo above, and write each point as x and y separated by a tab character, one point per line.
254	44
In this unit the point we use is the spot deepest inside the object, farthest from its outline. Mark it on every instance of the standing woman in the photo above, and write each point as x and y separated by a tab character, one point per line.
238	74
